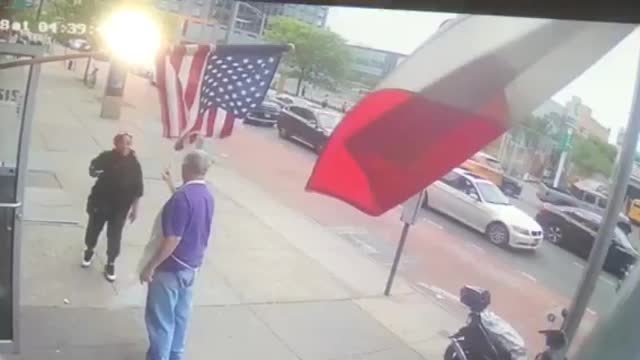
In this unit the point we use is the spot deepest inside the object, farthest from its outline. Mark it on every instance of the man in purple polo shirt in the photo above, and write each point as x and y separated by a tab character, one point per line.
186	225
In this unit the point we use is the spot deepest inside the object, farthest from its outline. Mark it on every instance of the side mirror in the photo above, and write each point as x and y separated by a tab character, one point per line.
474	196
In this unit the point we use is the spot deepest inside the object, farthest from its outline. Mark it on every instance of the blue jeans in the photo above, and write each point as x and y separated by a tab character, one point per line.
167	313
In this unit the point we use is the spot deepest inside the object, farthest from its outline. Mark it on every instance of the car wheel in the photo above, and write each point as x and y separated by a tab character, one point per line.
498	234
553	233
450	353
283	132
509	190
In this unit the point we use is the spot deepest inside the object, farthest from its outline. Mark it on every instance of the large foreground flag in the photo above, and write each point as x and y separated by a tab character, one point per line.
203	89
459	91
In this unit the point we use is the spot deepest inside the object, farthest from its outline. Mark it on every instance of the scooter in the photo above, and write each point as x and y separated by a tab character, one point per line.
485	336
555	339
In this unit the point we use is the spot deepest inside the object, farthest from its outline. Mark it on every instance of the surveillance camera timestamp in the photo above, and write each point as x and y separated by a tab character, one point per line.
44	27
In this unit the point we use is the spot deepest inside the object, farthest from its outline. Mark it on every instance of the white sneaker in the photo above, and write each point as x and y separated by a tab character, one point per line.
110	272
87	258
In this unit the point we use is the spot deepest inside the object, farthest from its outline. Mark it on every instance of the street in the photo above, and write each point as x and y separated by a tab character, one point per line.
441	255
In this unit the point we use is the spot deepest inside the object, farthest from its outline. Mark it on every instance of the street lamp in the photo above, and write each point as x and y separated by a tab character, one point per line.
132	38
234	19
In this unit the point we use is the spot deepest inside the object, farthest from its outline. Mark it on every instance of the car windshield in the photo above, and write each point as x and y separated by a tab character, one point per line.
491	193
328	120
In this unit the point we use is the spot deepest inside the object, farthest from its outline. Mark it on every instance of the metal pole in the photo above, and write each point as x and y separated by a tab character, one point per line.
46	59
617	190
396	259
232	22
503	141
263	22
563	159
39	12
556	179
86	71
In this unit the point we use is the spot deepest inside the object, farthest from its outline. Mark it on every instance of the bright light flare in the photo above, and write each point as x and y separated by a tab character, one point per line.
132	36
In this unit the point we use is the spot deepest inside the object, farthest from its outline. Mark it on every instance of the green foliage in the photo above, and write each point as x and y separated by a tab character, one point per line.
319	54
591	156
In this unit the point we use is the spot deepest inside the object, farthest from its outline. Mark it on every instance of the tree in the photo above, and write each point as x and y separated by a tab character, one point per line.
318	53
591	156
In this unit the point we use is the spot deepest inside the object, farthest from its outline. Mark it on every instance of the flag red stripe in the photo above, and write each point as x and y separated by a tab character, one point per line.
227	127
161	73
176	61
195	74
211	122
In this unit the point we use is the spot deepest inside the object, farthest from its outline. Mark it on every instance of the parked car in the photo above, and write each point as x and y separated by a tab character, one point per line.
576	229
283	100
307	125
265	114
79	44
480	204
581	198
488	167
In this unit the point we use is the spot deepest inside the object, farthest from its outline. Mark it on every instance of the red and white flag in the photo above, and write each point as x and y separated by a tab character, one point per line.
203	89
459	91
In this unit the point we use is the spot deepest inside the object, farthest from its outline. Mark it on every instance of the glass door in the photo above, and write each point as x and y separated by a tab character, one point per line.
17	93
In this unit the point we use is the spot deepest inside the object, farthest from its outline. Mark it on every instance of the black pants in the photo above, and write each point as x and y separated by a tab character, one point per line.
115	220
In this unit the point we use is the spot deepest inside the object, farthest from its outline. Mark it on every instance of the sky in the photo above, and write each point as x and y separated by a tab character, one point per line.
607	87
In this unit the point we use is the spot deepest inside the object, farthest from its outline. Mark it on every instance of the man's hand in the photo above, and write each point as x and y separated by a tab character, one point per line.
166	175
146	276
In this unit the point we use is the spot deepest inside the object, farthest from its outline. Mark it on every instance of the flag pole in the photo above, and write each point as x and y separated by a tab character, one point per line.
617	191
396	259
410	211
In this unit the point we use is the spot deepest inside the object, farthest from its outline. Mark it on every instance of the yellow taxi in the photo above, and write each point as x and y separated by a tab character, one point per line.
486	166
634	211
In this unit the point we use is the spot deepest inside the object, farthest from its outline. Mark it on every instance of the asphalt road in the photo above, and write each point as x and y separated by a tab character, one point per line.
441	254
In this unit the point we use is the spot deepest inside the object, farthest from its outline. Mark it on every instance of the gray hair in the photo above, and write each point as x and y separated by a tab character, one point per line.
197	161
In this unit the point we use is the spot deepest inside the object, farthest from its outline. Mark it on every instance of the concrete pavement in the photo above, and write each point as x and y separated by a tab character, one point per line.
276	285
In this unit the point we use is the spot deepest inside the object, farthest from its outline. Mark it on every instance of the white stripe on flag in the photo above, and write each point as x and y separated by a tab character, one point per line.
221	115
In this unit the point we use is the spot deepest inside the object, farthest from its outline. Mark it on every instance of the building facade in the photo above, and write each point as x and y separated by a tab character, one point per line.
252	19
369	65
586	125
579	114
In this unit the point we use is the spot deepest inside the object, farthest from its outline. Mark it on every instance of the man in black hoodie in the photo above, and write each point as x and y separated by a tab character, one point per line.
114	196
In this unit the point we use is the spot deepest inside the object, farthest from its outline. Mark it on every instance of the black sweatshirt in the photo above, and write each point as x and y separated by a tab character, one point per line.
119	180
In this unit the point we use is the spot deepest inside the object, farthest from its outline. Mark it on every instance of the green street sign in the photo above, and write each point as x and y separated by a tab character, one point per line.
15	4
567	140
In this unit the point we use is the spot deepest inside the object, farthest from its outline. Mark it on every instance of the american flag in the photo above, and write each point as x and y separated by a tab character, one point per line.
205	88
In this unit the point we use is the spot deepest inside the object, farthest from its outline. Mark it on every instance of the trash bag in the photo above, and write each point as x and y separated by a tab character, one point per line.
504	336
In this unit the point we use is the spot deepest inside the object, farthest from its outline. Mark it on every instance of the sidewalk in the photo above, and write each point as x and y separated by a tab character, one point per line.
276	285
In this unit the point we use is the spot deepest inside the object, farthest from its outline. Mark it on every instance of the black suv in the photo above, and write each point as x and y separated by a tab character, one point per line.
576	229
308	125
265	114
